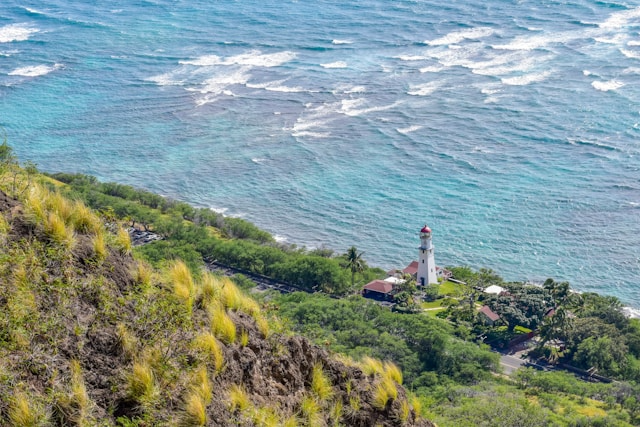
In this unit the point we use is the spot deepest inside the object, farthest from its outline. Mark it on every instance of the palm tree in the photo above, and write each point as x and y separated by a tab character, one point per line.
355	263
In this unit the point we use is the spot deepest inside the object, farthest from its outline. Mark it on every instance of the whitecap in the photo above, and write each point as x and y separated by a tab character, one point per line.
411	57
219	83
410	129
431	69
352	110
276	86
16	32
164	80
258	160
630	53
525	79
491	100
252	58
424	89
631	70
356	89
458	36
617	39
337	41
337	64
631	312
620	19
34	70
586	72
279	239
633	43
608	85
538	41
7	53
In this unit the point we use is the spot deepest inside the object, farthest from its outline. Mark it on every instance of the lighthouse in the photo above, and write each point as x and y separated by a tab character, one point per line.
426	260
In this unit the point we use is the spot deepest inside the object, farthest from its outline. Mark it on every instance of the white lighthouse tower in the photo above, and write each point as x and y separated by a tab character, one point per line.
426	260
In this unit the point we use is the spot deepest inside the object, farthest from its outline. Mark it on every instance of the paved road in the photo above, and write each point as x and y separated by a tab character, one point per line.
511	363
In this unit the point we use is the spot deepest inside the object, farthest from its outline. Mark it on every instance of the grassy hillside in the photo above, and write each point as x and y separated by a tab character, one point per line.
89	335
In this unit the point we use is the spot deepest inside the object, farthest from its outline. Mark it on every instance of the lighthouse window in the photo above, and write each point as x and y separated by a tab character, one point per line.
423	261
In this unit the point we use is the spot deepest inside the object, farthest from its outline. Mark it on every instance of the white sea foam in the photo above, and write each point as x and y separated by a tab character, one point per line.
633	43
458	36
431	69
7	53
608	85
337	64
166	79
16	32
337	41
631	312
526	79
279	239
616	39
356	89
620	19
539	41
491	68
489	91
411	57
252	58
258	160
410	129
424	89
276	86
491	100
586	72
354	109
34	70
630	53
631	70
218	83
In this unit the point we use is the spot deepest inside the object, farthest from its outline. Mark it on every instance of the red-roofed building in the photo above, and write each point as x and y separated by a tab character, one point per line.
412	268
487	315
378	289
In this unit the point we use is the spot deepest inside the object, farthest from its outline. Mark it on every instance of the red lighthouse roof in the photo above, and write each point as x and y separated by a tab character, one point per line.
425	229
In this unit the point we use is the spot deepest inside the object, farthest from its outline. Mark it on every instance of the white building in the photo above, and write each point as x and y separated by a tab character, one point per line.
426	260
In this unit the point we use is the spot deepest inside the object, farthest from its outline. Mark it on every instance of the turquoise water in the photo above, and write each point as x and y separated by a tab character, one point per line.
510	127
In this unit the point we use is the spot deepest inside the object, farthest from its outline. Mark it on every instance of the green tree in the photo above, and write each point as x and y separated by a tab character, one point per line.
354	263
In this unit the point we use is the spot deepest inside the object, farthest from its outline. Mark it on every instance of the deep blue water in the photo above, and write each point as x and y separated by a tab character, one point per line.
511	127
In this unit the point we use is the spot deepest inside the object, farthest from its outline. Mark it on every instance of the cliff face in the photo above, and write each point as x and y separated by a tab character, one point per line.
90	336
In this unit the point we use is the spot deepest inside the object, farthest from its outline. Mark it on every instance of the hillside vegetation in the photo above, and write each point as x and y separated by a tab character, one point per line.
90	335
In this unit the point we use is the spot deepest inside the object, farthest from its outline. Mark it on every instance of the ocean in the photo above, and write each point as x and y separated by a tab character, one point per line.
512	128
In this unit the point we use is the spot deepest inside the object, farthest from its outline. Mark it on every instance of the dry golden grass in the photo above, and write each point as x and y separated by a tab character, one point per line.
405	411
266	417
202	385
393	372
222	326
56	202
371	366
244	338
123	241
310	412
99	247
335	413
239	399
127	340
195	411
79	390
380	397
4	226
84	220
143	275
208	344
320	384
141	383
58	231
390	387
263	326
230	295
24	413
416	405
210	289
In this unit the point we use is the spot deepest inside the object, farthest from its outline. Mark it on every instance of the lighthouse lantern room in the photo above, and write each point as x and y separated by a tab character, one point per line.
426	261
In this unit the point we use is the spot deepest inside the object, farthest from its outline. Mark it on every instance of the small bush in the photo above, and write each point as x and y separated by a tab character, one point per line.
209	346
320	384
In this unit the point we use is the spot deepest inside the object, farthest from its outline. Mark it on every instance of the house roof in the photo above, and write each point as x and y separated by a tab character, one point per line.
379	286
489	313
395	280
411	268
494	289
